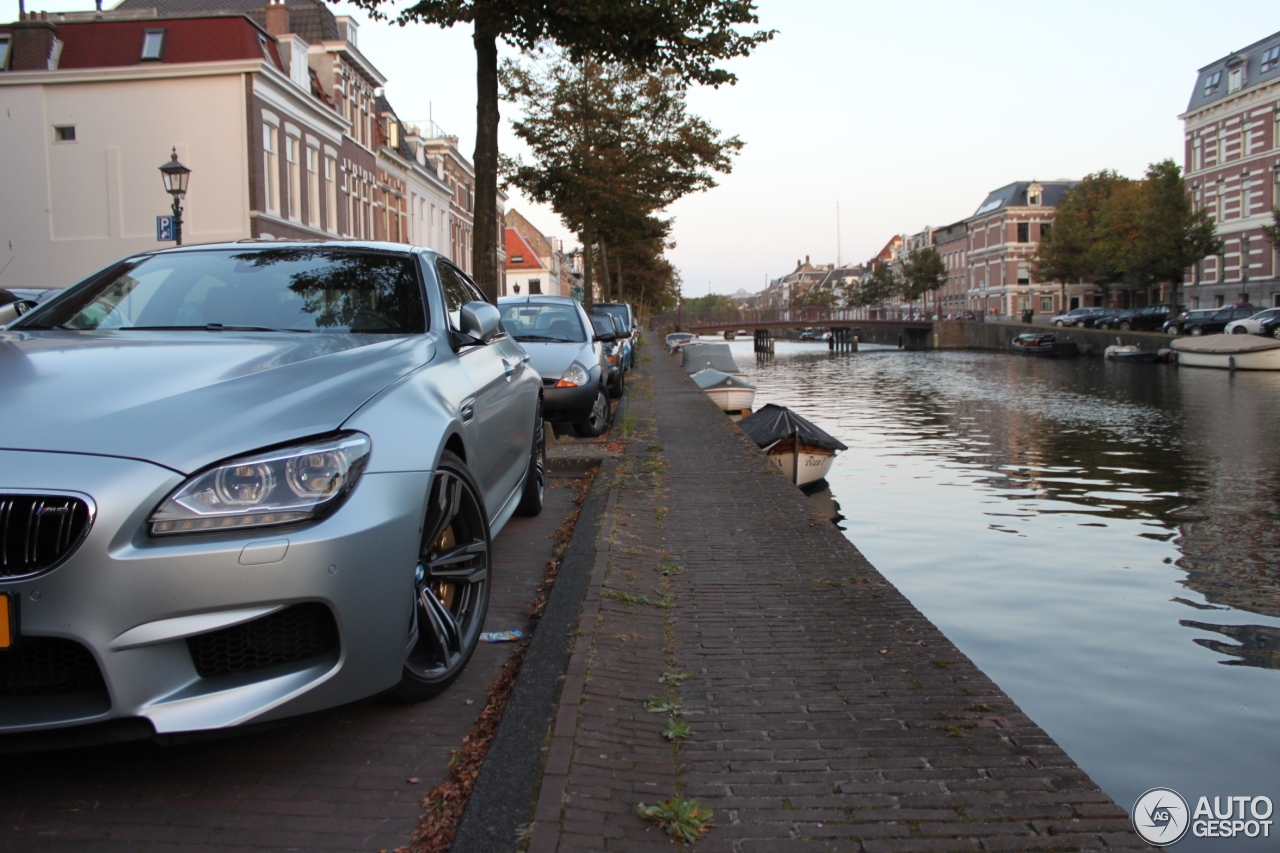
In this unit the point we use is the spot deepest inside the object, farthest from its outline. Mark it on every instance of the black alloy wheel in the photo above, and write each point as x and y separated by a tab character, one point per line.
1275	332
450	584
1239	330
1125	326
598	421
1197	331
619	384
535	479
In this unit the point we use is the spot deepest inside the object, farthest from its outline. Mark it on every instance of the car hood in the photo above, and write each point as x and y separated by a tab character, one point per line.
187	399
551	360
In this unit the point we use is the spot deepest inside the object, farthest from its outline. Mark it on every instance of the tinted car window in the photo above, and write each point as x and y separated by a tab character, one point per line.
619	311
303	290
455	291
543	322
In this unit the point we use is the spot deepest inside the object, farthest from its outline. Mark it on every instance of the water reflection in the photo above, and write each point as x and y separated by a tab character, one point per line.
1059	519
826	503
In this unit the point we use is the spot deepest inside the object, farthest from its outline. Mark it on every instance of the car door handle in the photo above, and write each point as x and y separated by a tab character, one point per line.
509	367
467	409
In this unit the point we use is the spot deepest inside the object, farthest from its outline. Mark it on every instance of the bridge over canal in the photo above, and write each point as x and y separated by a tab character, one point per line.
894	327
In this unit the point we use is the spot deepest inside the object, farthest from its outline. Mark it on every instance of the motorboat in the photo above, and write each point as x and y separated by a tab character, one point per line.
801	450
676	340
730	393
1044	344
696	358
1131	353
1229	352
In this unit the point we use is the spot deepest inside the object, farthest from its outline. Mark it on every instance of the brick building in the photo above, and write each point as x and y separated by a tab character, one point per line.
1003	235
1232	136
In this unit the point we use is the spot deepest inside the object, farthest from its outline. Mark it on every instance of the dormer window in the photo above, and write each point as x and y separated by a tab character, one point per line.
1235	79
1270	58
152	45
517	259
1211	82
1034	194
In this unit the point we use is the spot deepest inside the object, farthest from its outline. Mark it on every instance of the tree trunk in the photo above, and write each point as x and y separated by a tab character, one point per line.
606	284
588	298
484	237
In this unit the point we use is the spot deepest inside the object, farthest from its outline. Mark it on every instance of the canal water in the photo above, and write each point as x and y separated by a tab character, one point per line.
1102	539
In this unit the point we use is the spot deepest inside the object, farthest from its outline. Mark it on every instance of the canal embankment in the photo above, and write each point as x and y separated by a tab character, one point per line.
732	648
960	334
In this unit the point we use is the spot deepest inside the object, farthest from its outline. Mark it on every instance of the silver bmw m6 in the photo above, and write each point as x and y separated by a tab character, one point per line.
244	482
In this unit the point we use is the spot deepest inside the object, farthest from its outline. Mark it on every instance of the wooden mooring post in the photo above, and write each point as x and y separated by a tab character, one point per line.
763	342
842	339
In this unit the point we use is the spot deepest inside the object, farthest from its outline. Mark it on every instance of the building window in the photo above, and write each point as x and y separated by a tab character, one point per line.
313	187
64	133
4	52
1222	145
1024	232
1211	82
1235	79
1197	155
1246	137
294	187
1275	131
517	259
1244	196
271	149
330	195
535	286
1244	259
1046	304
1270	58
153	44
1218	300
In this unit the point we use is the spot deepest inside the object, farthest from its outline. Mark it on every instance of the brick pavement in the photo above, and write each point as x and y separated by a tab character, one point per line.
339	782
825	712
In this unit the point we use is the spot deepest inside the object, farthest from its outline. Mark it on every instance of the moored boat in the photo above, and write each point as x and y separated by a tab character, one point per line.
728	391
1229	352
1131	353
676	340
696	358
1045	344
801	450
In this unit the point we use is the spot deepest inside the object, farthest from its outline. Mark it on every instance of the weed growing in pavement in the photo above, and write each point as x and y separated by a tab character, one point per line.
626	597
679	729
668	567
659	512
684	820
627	426
657	705
674	677
654	448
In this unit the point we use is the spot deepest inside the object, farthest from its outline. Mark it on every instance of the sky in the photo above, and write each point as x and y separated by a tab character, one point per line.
903	114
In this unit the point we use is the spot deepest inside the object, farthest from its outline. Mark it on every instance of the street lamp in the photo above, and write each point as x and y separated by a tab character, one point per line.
175	184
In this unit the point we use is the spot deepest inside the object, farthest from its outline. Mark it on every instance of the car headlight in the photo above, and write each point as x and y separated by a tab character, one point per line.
303	482
575	376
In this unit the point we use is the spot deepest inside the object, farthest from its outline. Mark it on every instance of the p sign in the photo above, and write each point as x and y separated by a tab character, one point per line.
165	228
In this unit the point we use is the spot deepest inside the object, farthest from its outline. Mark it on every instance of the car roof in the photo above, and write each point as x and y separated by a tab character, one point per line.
260	243
547	299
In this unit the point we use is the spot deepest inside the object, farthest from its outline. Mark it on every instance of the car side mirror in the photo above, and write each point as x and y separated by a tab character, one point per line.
480	321
606	337
624	334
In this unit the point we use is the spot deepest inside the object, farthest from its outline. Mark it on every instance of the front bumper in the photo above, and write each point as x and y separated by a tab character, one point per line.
568	405
133	603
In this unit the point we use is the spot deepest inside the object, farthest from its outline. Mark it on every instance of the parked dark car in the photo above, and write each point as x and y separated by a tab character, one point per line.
1104	319
605	326
965	315
1144	319
1271	328
1217	322
1175	326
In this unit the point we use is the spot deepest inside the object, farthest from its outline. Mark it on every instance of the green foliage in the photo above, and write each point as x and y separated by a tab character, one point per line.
814	297
923	271
1273	230
711	303
1114	231
684	820
677	730
674	678
882	284
655	705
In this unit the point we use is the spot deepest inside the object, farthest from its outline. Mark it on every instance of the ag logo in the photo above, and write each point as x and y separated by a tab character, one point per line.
1161	816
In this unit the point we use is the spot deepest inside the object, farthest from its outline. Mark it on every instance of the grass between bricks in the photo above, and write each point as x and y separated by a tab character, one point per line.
442	807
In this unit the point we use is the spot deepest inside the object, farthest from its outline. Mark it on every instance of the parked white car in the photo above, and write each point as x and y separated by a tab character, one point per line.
1252	325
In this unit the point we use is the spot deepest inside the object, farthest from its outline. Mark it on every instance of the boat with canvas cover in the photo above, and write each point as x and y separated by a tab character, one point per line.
1229	352
698	357
804	452
728	391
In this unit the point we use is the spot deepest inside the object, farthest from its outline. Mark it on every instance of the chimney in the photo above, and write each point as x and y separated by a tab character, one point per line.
33	44
277	23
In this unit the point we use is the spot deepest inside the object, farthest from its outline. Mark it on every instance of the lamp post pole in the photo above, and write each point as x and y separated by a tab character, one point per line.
175	176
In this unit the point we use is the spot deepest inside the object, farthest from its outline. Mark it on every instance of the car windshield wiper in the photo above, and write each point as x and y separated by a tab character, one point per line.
208	327
539	338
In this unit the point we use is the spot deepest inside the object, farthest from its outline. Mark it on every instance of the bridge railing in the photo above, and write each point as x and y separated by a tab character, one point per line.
747	318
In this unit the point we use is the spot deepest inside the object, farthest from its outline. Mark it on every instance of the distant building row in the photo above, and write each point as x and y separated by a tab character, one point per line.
280	117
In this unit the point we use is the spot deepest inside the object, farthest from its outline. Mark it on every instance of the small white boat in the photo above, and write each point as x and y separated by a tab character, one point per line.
1229	352
801	450
676	340
729	392
1130	353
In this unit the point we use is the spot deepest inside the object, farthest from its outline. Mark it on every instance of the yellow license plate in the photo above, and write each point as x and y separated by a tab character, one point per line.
6	621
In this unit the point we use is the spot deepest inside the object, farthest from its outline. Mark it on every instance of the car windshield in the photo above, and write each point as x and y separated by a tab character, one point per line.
619	311
546	322
285	289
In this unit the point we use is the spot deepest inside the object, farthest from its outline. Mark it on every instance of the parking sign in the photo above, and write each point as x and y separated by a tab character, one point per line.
164	228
